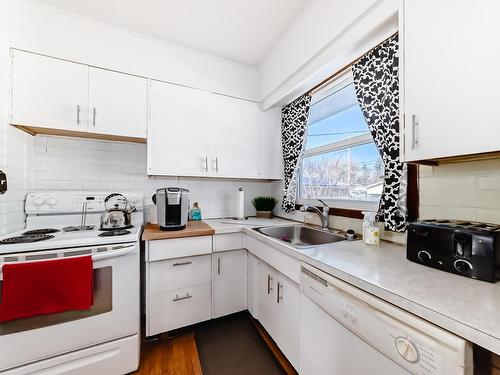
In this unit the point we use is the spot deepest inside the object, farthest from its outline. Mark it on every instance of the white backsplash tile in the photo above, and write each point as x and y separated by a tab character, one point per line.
67	163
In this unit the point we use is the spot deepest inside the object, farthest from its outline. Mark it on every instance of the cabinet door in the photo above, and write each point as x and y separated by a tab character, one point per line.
49	93
118	103
266	298
288	318
269	144
451	89
233	138
179	130
229	270
253	285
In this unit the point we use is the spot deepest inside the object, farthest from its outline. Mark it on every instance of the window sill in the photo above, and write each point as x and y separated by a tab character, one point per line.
337	211
344	204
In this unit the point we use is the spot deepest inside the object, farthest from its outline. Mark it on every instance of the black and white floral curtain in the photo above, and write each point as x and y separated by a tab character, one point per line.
294	119
377	89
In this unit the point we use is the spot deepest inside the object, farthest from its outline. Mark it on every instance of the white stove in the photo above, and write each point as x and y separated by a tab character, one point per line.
52	212
102	340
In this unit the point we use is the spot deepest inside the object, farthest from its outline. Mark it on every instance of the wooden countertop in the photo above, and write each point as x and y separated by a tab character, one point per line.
193	229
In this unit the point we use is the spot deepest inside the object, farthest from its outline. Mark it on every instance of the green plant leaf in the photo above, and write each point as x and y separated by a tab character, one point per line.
262	203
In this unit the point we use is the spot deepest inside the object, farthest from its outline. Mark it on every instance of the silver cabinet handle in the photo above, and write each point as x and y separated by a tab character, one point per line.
278	297
78	110
269	288
93	116
205	160
217	165
414	125
181	264
218	266
177	298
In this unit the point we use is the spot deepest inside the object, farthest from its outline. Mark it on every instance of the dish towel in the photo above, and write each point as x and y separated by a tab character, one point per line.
46	287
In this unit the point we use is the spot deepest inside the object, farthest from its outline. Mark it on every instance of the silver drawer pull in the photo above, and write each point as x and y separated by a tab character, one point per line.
414	134
94	113
269	288
78	110
177	298
181	264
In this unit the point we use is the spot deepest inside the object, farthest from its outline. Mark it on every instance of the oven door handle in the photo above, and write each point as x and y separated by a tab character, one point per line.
114	254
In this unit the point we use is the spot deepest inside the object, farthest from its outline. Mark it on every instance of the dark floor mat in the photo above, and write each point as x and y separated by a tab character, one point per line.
234	347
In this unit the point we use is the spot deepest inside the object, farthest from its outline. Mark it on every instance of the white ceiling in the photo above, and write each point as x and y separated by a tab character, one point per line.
240	30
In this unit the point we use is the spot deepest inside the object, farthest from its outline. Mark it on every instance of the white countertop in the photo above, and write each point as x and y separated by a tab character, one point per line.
232	226
469	308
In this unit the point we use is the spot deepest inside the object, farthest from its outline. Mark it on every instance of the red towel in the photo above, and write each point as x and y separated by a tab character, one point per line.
46	287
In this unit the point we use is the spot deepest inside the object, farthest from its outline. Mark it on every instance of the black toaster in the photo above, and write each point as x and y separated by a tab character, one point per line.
465	248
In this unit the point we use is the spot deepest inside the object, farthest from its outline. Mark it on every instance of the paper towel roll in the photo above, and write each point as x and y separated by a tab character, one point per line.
240	208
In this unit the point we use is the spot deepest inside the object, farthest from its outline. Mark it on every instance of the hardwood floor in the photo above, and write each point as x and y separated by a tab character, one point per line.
170	356
178	355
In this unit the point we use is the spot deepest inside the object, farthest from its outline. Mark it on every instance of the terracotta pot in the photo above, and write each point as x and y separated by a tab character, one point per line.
264	214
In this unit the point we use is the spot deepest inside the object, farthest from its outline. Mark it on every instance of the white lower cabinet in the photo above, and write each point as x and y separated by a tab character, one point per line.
178	308
187	283
178	289
278	300
229	282
252	284
288	318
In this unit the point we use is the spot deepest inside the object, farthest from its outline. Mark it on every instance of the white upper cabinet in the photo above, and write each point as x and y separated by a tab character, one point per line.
48	93
233	137
269	144
118	103
198	133
53	96
450	86
179	131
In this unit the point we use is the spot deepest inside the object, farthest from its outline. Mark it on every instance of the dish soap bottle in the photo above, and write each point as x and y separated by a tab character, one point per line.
371	233
195	212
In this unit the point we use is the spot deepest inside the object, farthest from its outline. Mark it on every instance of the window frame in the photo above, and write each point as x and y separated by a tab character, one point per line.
342	205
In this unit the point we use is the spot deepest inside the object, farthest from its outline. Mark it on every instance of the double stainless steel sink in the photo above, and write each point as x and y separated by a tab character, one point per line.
301	236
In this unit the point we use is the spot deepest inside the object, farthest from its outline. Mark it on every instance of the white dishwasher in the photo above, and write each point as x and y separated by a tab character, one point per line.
347	331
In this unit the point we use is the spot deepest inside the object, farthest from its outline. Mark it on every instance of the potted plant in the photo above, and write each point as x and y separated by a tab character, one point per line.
264	206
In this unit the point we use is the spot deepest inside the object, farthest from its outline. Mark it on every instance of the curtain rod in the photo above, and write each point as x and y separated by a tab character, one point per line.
329	79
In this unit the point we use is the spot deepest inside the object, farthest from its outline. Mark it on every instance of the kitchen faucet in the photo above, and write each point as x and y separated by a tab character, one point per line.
323	214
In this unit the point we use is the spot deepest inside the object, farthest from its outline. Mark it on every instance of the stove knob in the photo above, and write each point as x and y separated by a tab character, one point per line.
38	201
51	202
407	349
462	265
424	256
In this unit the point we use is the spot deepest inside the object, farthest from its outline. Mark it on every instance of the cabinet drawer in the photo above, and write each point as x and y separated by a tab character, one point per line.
179	308
230	241
178	273
179	247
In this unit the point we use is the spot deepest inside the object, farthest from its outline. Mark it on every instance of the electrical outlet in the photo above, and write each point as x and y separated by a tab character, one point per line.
3	182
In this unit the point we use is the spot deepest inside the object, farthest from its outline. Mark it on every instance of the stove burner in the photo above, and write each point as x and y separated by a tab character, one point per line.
40	231
110	233
26	239
78	228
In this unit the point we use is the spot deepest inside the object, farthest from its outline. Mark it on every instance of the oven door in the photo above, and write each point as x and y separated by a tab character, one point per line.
114	313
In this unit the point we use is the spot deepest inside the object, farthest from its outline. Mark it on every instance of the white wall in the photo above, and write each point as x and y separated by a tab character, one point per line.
56	33
67	163
15	146
467	191
328	36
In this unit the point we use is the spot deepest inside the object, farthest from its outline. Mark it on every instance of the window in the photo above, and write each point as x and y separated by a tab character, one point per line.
341	161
